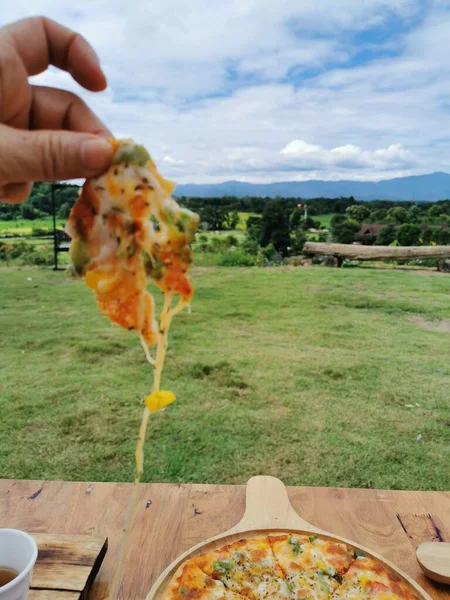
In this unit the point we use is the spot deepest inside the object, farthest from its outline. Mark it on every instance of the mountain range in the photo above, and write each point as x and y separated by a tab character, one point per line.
418	188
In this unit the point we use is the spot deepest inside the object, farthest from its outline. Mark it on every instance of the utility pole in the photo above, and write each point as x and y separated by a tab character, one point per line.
55	247
56	186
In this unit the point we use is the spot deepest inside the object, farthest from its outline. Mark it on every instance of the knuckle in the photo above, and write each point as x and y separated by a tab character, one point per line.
37	21
51	155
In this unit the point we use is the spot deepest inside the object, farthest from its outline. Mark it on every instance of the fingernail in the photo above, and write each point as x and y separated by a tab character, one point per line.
96	154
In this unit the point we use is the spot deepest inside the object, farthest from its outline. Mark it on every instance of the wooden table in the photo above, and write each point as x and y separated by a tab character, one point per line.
171	518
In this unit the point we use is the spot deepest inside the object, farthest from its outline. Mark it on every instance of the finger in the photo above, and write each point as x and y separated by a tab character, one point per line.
41	42
51	155
57	109
13	193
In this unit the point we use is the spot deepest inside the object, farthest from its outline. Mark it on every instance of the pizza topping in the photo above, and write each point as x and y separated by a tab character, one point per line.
295	545
157	400
330	572
223	566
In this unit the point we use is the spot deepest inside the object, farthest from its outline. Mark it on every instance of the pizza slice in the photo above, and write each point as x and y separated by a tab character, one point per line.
125	226
313	566
247	567
369	579
190	583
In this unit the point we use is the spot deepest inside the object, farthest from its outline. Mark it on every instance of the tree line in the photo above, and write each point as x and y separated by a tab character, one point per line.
221	213
279	223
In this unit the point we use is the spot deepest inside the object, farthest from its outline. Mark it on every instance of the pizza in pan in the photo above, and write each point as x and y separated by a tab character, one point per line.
286	565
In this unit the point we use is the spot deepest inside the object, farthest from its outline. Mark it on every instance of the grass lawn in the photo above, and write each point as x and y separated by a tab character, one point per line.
325	220
318	376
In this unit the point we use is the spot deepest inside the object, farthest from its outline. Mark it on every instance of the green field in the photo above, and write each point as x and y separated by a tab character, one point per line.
318	376
325	220
25	226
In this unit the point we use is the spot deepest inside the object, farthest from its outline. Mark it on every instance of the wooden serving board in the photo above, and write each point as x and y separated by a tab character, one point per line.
267	510
66	566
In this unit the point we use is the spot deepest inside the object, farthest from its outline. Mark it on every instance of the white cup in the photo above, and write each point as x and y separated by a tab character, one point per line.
18	551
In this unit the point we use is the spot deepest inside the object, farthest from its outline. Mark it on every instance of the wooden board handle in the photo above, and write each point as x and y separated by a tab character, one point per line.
268	506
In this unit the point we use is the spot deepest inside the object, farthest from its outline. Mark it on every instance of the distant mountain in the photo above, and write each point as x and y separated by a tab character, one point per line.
420	188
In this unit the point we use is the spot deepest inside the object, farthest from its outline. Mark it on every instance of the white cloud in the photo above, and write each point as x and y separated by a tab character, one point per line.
350	156
216	89
172	161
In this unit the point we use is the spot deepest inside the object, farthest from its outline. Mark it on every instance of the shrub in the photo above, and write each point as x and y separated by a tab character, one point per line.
39	231
250	246
368	239
203	247
442	236
21	249
386	236
26	254
344	230
409	235
254	227
40	256
5	252
232	241
236	258
217	244
297	242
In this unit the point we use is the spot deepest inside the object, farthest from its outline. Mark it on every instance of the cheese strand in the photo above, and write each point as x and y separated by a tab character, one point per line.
165	321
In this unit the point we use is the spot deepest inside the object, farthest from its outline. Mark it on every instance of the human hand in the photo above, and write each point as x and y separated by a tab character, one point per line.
47	134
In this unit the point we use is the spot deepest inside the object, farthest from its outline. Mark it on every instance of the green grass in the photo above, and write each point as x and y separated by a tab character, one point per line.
25	226
243	217
317	376
325	220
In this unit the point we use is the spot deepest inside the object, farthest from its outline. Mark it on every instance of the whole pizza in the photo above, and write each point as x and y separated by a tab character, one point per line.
286	566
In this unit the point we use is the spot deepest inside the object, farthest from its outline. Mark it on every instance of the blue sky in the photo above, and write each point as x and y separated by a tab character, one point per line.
265	90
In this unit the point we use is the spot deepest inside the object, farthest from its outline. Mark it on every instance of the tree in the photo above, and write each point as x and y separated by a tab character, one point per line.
358	212
414	215
337	220
444	219
231	219
28	212
297	242
275	227
64	210
442	236
309	223
295	218
344	231
377	216
254	228
427	235
409	234
214	216
398	214
434	210
386	236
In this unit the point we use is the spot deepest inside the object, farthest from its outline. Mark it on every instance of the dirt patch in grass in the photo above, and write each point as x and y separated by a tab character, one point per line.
442	326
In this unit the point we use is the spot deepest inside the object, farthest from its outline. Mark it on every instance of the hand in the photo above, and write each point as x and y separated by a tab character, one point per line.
47	134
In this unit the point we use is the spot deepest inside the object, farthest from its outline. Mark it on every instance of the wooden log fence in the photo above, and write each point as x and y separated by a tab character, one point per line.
359	252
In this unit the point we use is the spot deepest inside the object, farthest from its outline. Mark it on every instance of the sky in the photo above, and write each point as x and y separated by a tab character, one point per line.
269	90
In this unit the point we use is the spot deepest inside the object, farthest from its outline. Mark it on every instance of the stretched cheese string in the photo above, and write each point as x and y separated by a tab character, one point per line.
165	320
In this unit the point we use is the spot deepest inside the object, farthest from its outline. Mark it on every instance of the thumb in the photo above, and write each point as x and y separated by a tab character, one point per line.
27	156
